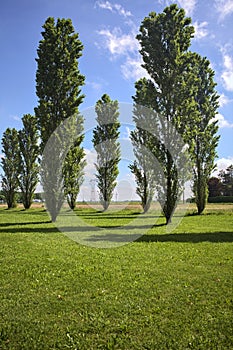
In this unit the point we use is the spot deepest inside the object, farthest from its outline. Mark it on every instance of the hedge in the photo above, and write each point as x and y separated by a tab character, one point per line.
221	199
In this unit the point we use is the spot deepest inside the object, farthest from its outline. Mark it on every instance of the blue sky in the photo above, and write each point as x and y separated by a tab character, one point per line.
110	61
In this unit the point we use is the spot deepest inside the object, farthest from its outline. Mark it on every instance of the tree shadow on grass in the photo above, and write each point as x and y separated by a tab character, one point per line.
214	237
32	230
10	224
96	234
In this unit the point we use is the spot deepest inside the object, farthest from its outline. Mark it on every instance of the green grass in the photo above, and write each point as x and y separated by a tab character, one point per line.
167	290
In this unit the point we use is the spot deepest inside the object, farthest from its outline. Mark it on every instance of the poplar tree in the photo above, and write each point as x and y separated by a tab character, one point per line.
105	137
201	126
28	159
143	167
73	171
10	164
58	82
164	39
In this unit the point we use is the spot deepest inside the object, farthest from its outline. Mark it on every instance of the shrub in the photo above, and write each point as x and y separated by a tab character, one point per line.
221	199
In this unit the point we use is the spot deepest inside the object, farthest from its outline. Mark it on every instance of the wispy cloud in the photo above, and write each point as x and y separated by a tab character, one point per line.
224	100
117	42
114	8
188	5
98	87
200	30
126	134
227	75
123	45
16	118
222	164
222	122
224	8
132	69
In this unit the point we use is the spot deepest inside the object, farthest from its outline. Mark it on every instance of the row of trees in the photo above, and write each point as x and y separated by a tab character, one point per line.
178	102
20	162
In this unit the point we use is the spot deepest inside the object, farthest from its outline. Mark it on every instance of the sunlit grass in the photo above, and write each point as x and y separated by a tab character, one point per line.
167	290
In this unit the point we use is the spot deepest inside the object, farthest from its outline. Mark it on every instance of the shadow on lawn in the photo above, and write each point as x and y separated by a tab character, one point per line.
215	237
96	235
8	224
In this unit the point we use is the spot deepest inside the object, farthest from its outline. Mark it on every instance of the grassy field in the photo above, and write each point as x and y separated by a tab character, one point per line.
166	290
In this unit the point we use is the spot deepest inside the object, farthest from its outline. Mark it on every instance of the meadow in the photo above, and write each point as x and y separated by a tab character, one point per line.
164	290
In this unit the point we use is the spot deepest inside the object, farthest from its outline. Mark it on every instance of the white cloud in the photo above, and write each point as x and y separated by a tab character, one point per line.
224	8
126	134
132	69
16	118
90	167
88	189
117	42
227	75
188	5
95	86
200	30
222	122
124	45
224	100
222	164
115	8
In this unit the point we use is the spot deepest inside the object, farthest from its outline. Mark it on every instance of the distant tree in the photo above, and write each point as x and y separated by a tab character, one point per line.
105	140
214	187
58	88
10	164
226	177
165	39
200	123
28	159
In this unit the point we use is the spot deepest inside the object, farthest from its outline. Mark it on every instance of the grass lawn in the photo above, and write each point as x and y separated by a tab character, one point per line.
167	290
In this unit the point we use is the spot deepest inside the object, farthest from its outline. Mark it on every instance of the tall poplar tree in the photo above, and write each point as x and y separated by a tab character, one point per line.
58	82
164	39
10	164
105	140
28	159
201	126
143	142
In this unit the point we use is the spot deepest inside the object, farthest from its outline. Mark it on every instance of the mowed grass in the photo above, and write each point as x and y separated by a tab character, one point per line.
167	290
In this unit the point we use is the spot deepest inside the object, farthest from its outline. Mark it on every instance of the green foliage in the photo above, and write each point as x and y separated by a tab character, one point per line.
221	199
144	143
214	187
58	88
144	180
28	159
73	170
200	125
10	166
164	39
105	137
226	177
58	78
